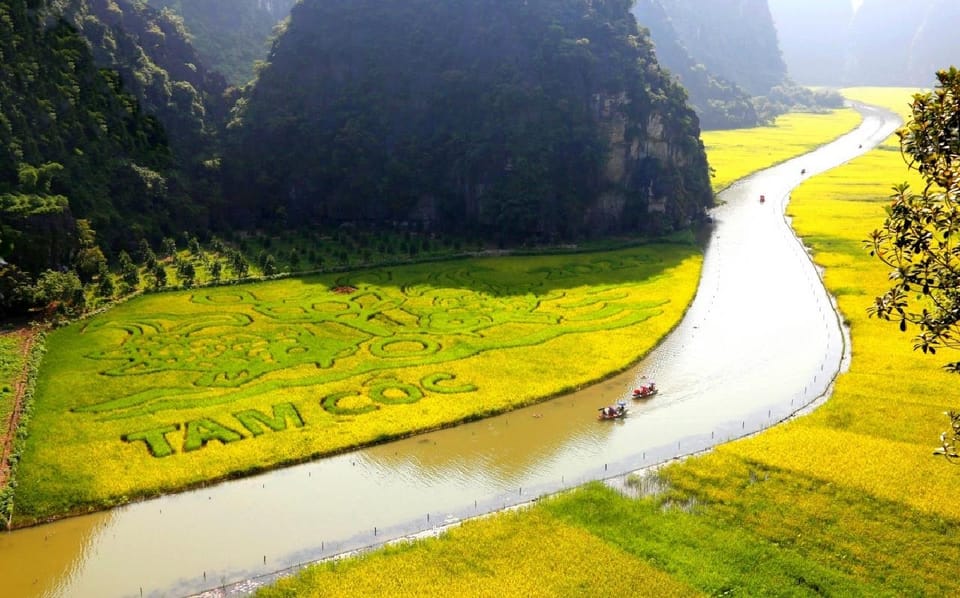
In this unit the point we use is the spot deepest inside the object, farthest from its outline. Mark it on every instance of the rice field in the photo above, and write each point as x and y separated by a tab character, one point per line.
735	153
847	501
172	390
11	364
480	559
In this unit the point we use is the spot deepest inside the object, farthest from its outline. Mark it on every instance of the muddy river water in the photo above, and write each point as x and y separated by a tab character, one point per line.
761	341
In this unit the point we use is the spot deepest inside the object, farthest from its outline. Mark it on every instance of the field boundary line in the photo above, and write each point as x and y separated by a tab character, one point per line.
28	336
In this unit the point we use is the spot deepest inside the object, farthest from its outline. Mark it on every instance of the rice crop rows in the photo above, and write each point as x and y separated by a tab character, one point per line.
176	389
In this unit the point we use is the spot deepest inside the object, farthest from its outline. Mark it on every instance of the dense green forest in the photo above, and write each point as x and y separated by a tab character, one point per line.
157	63
231	36
512	122
73	144
527	120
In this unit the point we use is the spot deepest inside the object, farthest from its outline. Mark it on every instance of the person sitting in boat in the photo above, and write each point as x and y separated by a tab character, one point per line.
621	407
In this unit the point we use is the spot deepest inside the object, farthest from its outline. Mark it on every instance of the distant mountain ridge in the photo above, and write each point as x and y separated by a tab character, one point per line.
885	42
720	104
734	39
515	121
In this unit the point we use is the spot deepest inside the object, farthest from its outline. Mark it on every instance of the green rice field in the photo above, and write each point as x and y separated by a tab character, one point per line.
175	389
735	153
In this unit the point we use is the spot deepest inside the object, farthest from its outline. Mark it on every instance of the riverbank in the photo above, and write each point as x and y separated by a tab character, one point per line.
335	504
795	507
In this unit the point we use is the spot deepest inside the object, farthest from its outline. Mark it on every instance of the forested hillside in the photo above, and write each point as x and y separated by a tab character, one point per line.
719	103
230	35
73	143
516	122
107	138
527	120
733	39
159	66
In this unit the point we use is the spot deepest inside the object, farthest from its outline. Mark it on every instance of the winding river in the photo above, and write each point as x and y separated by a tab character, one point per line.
761	341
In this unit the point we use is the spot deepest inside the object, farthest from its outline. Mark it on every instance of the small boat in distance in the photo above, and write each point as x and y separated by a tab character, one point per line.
613	411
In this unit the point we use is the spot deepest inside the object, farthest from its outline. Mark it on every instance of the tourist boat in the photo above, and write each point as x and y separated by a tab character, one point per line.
613	411
645	390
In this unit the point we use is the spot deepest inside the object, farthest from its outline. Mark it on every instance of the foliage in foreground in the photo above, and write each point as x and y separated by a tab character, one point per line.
918	239
176	389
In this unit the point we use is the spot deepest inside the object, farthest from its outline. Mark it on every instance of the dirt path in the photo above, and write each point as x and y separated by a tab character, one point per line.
9	430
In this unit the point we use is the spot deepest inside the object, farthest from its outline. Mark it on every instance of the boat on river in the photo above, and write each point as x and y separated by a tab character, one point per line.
613	411
645	390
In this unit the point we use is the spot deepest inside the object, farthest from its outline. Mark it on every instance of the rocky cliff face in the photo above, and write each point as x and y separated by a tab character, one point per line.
528	119
901	43
813	36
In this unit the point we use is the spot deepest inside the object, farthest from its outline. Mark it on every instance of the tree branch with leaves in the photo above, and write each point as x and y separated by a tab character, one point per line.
920	238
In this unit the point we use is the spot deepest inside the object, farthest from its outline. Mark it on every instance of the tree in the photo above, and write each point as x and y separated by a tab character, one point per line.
105	287
239	265
194	246
216	271
187	273
61	291
159	277
90	259
16	290
169	247
920	238
269	265
129	272
147	257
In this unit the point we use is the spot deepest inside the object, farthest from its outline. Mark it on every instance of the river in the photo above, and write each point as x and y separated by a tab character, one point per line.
761	341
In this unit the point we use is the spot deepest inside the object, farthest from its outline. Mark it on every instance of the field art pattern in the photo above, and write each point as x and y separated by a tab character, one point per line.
315	365
383	329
